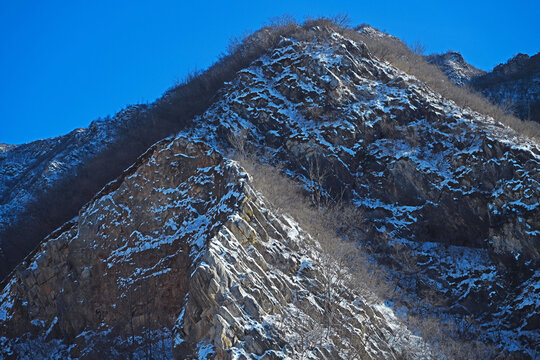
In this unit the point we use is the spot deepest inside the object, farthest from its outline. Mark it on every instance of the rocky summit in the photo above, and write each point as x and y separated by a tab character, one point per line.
193	252
455	67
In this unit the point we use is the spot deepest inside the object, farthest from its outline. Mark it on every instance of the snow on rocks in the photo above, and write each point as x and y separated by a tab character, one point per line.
182	247
419	166
30	172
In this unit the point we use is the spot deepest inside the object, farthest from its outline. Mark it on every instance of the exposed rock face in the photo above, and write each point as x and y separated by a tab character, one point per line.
88	277
259	291
124	263
422	169
182	238
515	85
392	144
455	67
450	197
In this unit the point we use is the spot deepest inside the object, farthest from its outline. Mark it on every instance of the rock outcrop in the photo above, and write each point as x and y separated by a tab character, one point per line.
36	176
514	85
425	172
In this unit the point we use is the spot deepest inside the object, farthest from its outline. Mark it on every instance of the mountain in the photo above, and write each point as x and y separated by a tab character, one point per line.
29	171
394	222
455	67
48	181
514	85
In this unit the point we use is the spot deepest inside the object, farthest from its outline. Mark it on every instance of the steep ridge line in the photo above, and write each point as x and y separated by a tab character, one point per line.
422	169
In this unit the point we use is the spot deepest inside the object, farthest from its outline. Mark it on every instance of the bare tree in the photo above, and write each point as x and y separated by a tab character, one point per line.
317	176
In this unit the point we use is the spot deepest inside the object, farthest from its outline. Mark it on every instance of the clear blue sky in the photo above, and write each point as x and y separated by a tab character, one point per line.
66	63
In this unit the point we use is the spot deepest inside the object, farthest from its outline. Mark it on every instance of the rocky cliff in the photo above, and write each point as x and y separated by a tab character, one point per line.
437	181
182	255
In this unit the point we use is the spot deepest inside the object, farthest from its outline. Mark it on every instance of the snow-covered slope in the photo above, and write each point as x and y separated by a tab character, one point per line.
455	67
181	251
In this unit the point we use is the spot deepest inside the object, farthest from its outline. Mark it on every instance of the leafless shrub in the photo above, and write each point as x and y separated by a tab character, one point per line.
418	48
341	20
317	176
337	226
386	48
508	107
445	342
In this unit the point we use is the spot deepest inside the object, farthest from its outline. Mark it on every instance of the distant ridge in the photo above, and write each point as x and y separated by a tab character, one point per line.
514	85
455	67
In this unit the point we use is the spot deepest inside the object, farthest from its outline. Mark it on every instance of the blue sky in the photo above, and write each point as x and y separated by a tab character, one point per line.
66	63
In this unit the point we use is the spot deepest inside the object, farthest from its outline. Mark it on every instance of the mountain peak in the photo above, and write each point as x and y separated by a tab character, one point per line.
454	66
518	64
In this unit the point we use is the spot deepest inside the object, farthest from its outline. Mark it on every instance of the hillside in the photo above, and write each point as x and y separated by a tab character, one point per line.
412	233
30	171
213	270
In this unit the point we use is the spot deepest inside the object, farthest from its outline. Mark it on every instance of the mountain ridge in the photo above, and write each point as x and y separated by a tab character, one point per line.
513	85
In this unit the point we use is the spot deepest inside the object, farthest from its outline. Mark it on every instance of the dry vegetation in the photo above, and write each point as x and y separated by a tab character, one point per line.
338	228
411	61
387	48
